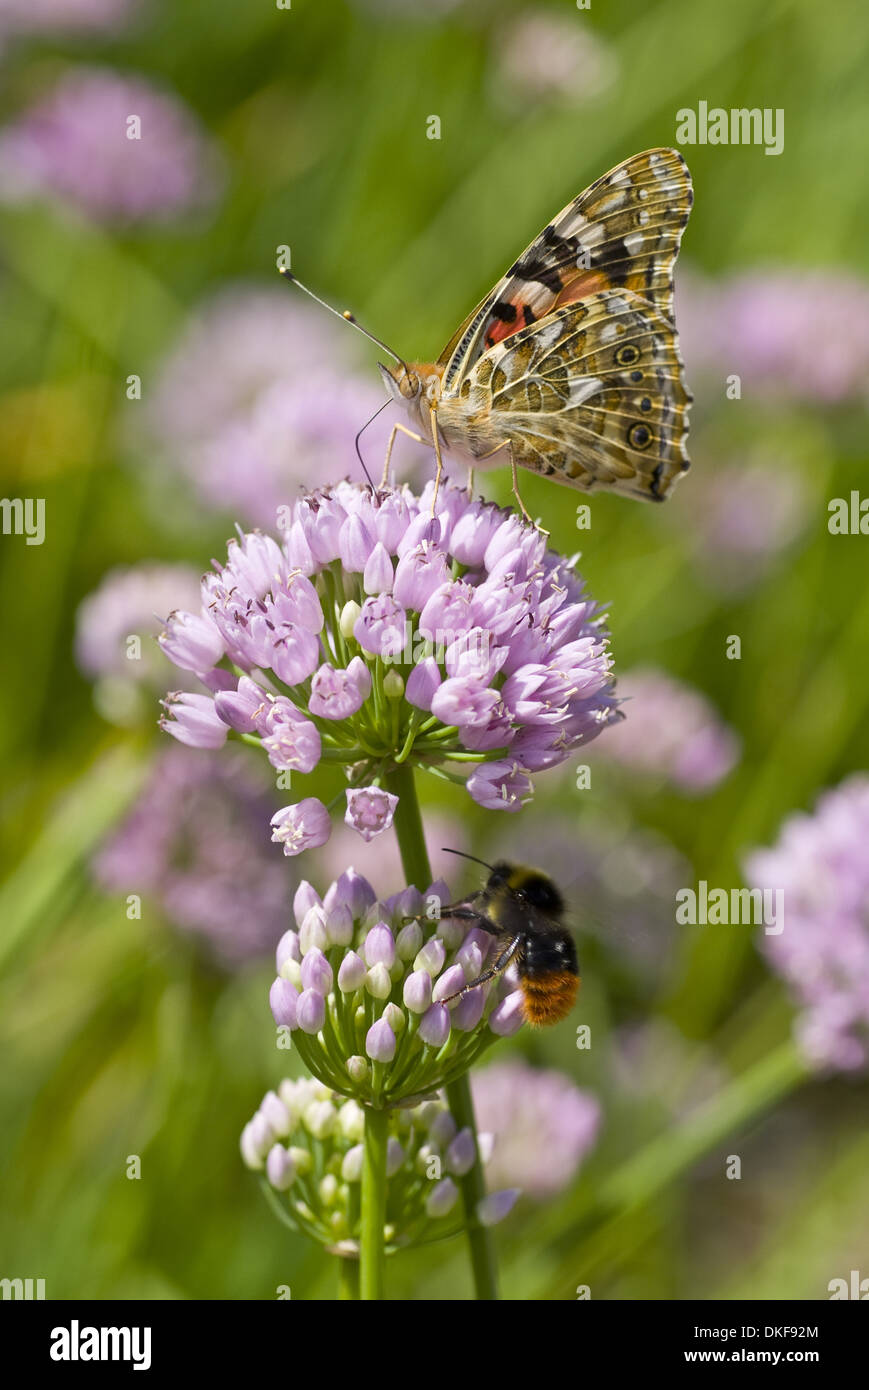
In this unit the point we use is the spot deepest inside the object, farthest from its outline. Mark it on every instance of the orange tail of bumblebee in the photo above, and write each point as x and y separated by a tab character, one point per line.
549	998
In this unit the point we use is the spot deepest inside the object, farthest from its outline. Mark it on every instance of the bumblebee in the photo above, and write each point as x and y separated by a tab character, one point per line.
524	911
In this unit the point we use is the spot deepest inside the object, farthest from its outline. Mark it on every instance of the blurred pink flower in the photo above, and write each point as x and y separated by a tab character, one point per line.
821	866
549	54
63	16
543	1126
76	143
260	396
197	843
738	518
670	731
791	332
122	609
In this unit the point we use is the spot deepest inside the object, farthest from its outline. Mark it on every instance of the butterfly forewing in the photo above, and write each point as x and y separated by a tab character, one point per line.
572	360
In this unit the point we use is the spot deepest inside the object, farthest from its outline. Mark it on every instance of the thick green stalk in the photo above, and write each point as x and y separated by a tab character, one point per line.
473	1186
372	1257
408	826
348	1279
417	871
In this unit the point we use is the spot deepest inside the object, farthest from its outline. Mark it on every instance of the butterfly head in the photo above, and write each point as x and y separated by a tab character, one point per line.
402	384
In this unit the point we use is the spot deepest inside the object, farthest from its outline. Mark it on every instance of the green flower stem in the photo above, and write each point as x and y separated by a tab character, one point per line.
417	871
348	1279
459	755
473	1187
408	827
442	774
372	1255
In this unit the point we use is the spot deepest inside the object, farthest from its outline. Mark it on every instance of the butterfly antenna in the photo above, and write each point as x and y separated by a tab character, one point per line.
345	314
472	857
359	436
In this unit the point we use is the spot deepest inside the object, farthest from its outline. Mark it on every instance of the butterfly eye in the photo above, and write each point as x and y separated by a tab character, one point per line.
626	356
639	436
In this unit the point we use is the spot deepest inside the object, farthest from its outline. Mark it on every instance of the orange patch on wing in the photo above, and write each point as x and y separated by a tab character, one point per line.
582	286
579	287
549	998
500	330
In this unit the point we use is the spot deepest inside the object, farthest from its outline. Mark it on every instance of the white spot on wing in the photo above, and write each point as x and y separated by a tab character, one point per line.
582	388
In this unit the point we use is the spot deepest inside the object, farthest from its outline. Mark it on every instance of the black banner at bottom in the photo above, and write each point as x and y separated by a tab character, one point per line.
67	1338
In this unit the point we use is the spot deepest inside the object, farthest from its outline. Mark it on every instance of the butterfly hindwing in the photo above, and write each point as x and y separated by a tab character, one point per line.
593	396
622	232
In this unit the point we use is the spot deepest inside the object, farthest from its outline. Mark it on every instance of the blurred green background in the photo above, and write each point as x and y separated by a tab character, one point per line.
122	1037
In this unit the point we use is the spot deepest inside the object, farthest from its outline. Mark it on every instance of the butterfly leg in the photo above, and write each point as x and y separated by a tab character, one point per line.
470	484
437	448
524	510
498	968
384	481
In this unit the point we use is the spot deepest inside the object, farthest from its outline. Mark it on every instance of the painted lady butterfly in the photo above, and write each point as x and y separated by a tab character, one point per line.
571	363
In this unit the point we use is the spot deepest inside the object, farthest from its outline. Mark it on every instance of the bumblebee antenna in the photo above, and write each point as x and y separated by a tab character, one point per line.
472	857
345	314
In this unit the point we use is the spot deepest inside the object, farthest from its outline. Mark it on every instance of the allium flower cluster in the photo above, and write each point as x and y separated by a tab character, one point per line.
77	144
307	1141
821	865
361	985
671	732
377	634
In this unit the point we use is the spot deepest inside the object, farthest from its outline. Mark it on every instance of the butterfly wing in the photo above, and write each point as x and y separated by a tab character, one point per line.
621	232
592	396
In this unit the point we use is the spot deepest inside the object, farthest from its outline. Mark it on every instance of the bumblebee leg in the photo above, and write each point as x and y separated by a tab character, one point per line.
497	969
460	910
384	481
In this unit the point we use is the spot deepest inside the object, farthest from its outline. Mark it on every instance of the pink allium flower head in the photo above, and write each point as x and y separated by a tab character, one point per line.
821	867
543	1125
532	665
671	732
115	147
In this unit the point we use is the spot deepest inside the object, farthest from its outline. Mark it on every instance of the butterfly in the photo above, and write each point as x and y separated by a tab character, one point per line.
571	364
